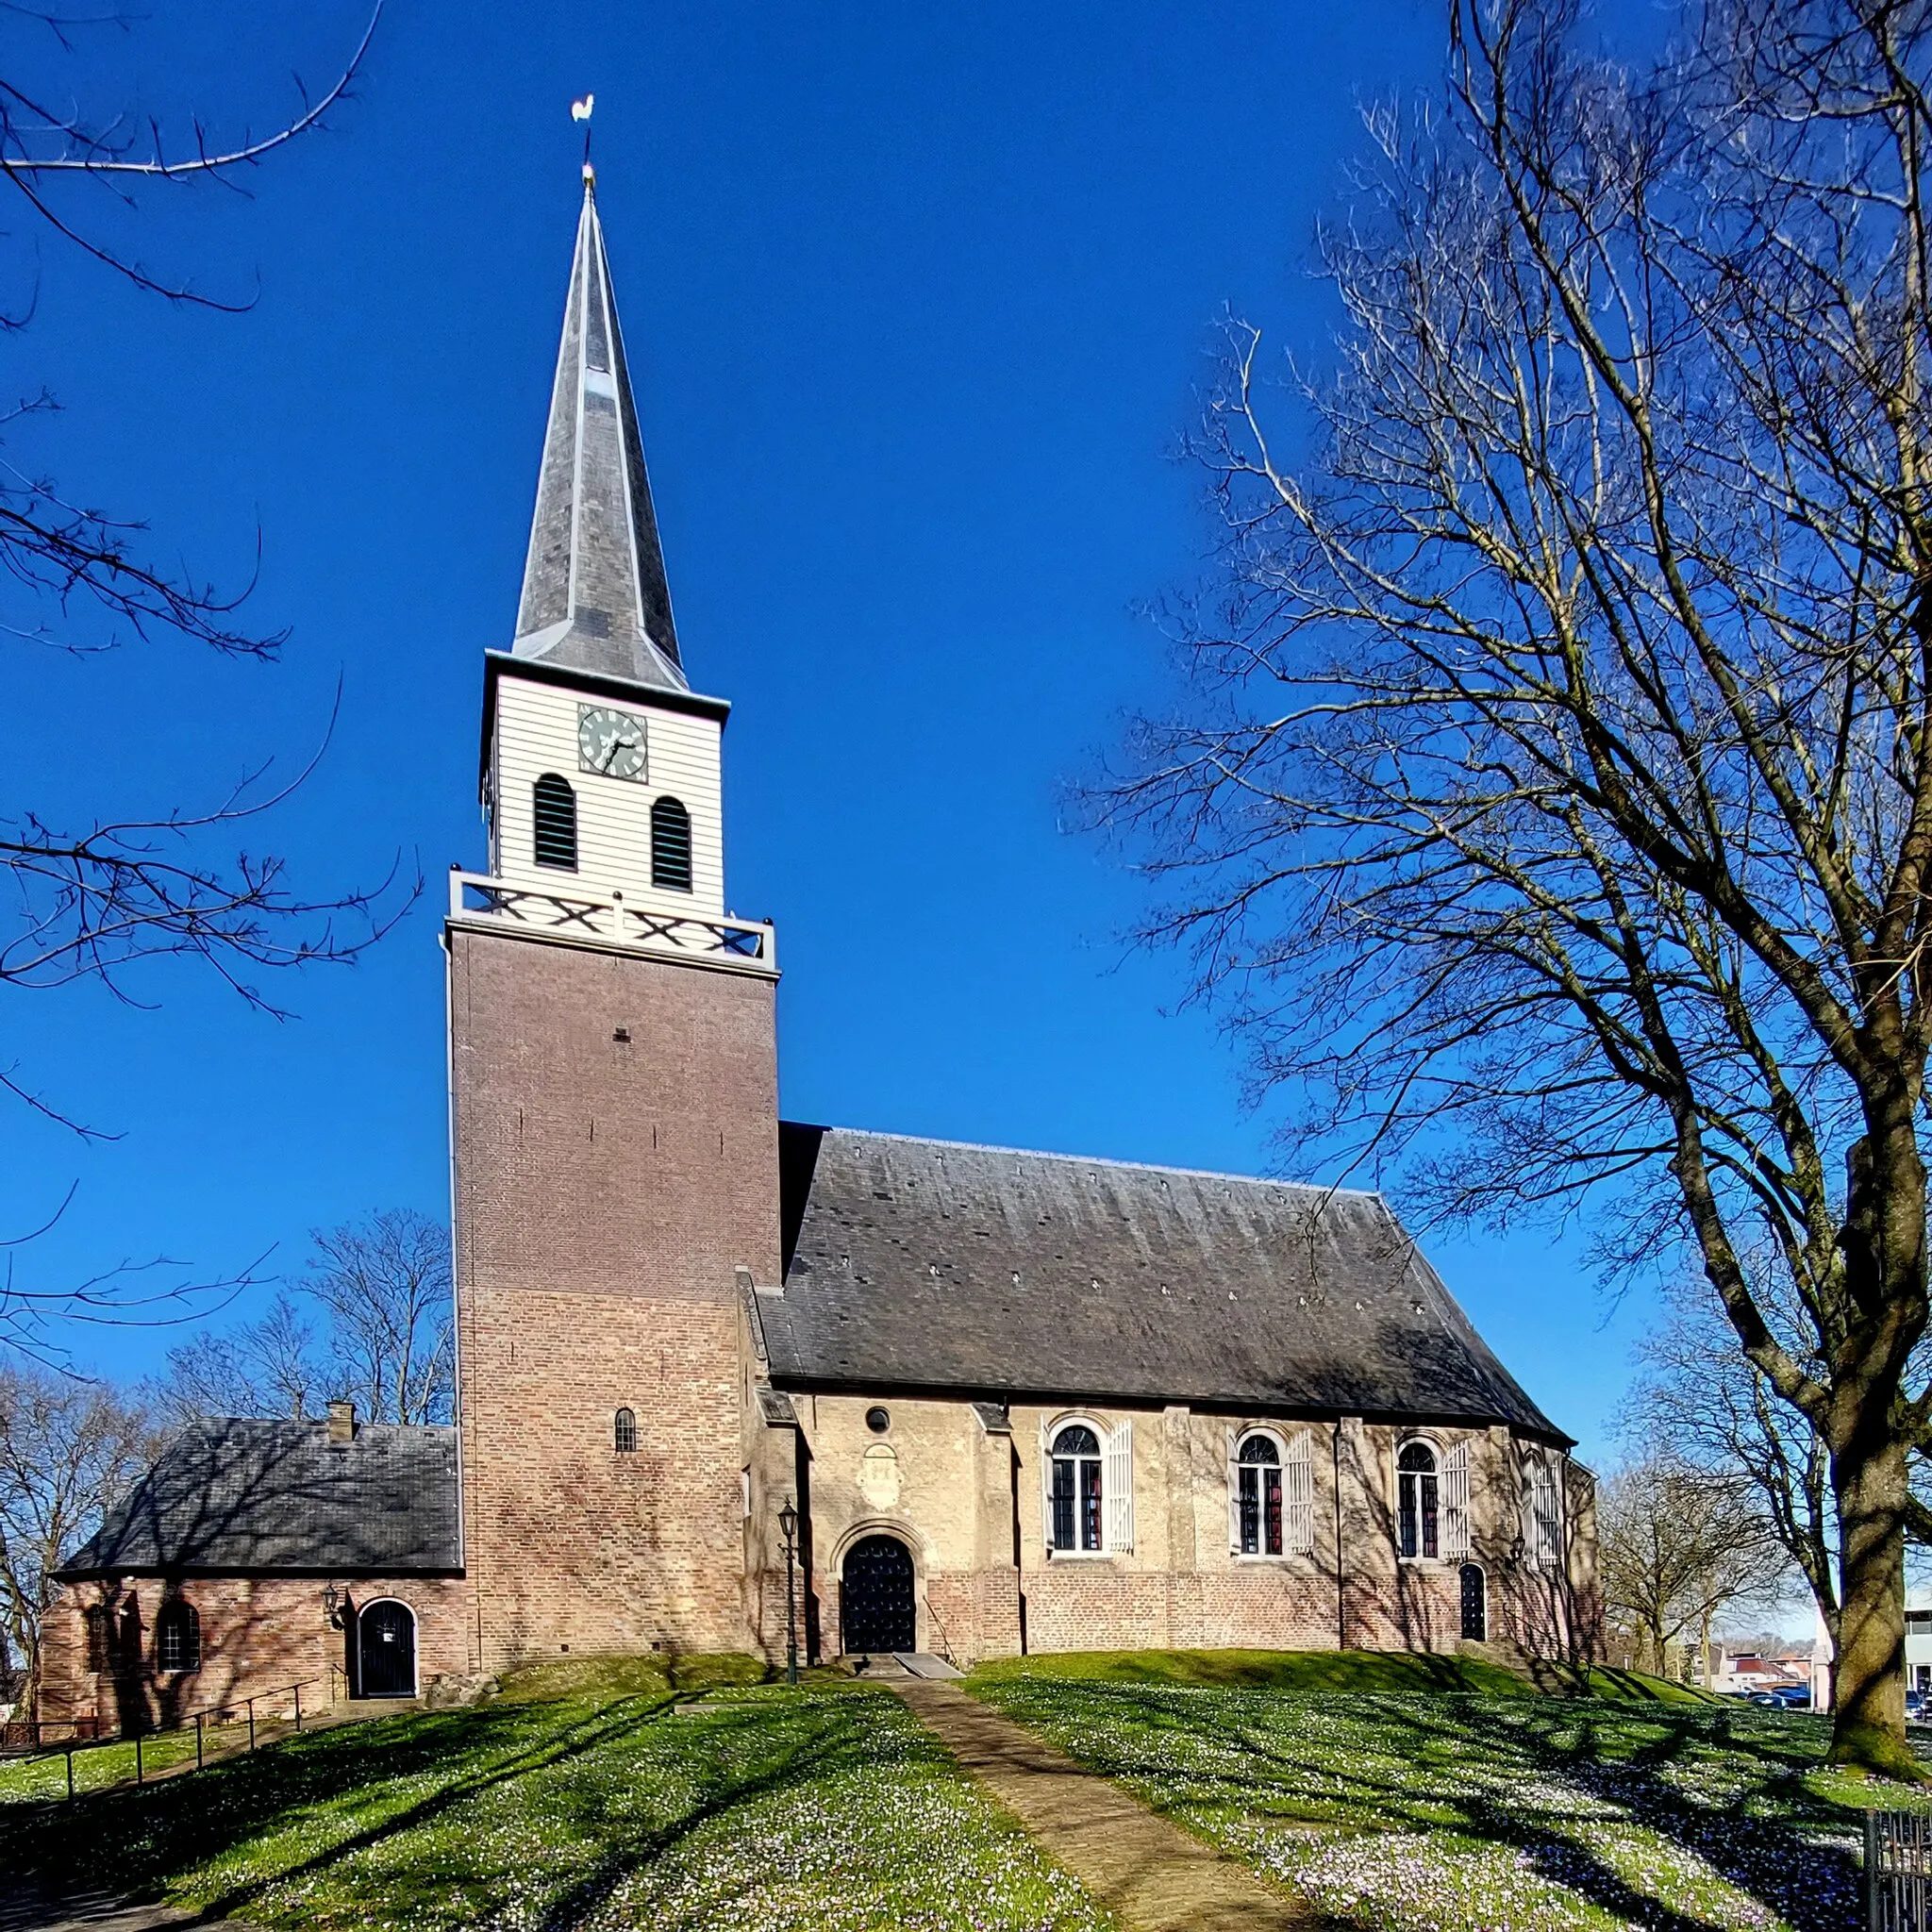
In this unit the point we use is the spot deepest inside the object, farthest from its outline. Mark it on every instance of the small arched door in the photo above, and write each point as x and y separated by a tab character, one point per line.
875	1606
386	1650
1476	1609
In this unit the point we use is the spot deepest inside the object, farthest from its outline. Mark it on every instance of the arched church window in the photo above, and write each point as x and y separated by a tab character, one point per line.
625	1432
1417	1508
1258	1489
670	846
1077	1488
177	1638
556	822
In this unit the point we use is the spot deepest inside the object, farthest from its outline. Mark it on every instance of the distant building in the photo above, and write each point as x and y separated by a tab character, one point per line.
1020	1401
1918	1639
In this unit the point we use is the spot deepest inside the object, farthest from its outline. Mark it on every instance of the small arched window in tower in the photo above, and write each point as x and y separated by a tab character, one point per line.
670	846
556	822
624	1433
177	1638
1418	1509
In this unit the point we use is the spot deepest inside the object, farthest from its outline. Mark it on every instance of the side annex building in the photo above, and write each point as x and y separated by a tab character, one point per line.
1019	1401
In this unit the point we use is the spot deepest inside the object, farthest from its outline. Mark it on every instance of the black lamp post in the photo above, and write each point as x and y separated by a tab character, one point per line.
788	1528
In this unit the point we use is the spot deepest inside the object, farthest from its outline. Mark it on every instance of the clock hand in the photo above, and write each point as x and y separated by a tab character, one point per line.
616	746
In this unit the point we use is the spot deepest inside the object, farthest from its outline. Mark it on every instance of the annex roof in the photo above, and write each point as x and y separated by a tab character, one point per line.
989	1271
237	1495
595	597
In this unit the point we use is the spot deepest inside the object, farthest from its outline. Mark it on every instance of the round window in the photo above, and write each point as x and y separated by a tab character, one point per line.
878	1420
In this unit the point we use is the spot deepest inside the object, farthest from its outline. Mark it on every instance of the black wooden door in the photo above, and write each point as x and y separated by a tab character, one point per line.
1476	1610
875	1596
386	1651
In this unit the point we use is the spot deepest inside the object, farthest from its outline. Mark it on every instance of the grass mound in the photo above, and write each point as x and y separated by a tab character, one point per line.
652	1675
813	1810
1406	1812
1640	1687
1369	1671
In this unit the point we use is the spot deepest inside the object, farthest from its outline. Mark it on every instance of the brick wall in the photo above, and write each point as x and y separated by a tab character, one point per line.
607	1188
258	1637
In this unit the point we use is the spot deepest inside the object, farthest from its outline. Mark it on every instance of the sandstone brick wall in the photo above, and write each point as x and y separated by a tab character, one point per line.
607	1188
968	1503
258	1637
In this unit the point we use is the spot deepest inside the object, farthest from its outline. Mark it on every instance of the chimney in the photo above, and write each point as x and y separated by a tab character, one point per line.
341	1422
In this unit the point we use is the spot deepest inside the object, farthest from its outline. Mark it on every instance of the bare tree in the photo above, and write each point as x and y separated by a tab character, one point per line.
1713	1411
1555	805
1677	1549
386	1284
94	897
68	1449
272	1367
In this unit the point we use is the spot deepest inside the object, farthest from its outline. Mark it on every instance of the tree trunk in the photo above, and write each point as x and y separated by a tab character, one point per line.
1868	1706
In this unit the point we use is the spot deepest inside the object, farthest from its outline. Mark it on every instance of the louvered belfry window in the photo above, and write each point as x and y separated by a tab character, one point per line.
670	846
556	822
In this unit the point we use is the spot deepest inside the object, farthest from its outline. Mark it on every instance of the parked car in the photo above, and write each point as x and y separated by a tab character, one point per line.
1784	1697
1915	1704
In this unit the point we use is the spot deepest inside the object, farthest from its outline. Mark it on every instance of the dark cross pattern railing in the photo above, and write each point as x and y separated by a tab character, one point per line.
651	927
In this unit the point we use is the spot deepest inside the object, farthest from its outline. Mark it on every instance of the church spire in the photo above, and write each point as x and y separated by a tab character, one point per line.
594	593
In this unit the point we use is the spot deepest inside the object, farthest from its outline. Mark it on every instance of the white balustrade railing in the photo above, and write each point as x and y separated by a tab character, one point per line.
475	899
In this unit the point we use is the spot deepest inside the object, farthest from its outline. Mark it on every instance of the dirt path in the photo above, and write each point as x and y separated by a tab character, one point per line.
1155	1875
27	1908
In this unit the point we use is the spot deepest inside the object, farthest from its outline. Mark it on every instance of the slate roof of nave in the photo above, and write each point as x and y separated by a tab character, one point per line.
233	1494
915	1264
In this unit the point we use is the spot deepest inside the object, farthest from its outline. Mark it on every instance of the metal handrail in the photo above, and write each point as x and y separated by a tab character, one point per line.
236	1710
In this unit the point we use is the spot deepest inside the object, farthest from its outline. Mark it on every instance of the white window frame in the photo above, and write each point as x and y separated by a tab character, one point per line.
1420	1555
1542	1530
1296	1467
1116	1460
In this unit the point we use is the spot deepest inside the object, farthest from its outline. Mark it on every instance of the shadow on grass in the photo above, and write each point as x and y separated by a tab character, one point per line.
1526	1776
610	1791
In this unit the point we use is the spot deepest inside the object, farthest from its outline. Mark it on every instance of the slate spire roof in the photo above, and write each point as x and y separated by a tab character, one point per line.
594	593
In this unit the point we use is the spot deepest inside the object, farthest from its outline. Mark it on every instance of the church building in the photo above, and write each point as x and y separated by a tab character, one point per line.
991	1401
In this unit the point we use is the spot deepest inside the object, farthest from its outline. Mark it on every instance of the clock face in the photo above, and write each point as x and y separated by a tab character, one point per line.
610	741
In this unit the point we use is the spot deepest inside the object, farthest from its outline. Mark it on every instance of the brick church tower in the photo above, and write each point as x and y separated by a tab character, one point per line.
613	1084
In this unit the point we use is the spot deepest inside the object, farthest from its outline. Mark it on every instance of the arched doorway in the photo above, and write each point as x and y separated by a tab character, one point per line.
386	1650
1475	1607
875	1601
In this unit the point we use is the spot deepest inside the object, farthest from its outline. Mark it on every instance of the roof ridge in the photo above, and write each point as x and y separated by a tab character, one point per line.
1203	1174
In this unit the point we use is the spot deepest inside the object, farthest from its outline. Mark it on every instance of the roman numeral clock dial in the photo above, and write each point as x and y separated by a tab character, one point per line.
610	741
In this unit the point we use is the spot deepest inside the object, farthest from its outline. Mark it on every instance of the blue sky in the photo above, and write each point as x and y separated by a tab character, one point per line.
917	301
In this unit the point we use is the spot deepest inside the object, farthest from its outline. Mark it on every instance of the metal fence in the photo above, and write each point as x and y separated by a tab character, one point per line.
24	1738
1898	1872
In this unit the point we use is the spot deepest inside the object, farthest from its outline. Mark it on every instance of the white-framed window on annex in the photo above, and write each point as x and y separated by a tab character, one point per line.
1087	1486
1271	1494
1542	1512
1432	1501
